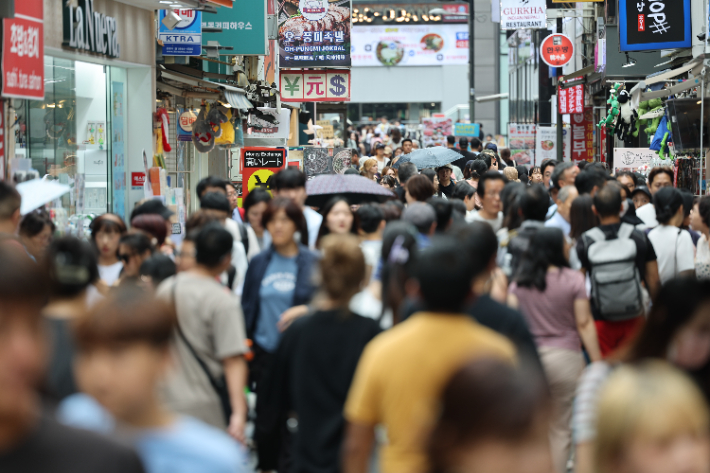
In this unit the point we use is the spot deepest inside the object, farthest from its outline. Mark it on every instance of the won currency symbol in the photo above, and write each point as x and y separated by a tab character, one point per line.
338	83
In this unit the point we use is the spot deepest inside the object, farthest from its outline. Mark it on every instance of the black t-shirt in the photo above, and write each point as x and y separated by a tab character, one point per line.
54	448
467	156
448	190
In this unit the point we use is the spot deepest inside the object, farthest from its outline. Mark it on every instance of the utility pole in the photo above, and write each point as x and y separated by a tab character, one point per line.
560	125
472	63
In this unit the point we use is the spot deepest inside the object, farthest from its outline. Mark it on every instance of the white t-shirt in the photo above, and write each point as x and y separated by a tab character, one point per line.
496	223
674	250
647	213
109	274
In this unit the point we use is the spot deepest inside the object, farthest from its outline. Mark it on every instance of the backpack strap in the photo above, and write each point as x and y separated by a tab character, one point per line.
625	231
595	234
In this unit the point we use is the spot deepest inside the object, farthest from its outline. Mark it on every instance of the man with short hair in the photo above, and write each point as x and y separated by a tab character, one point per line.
30	439
372	225
211	184
607	205
415	144
547	168
489	187
476	146
423	217
10	217
407	146
406	171
291	183
214	184
451	142
658	178
590	181
561	218
446	184
467	155
628	179
563	175
233	197
211	327
402	371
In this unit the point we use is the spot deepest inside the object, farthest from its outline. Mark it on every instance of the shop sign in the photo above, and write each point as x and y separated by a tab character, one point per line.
184	127
318	161
23	51
467	129
545	143
327	130
315	86
314	33
521	141
137	180
631	159
90	30
185	39
517	14
258	167
243	28
582	136
411	14
571	99
260	128
410	45
648	25
556	50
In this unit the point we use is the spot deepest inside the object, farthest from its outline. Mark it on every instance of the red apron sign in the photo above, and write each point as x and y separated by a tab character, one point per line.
258	166
557	50
315	86
23	51
571	100
583	136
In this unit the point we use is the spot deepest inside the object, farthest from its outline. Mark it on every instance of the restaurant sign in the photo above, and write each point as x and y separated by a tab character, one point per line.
90	30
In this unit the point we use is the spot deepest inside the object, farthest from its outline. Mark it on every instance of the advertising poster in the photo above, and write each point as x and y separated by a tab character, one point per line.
258	165
517	14
23	51
269	124
583	135
521	141
545	143
632	159
314	33
117	149
410	45
317	161
435	130
185	39
243	28
651	25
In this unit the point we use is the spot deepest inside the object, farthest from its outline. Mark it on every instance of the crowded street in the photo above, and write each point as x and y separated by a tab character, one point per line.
344	236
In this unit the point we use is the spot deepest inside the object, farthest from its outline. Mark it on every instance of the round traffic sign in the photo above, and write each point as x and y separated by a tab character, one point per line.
557	50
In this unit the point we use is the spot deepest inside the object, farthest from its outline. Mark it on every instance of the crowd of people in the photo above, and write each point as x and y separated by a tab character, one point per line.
492	319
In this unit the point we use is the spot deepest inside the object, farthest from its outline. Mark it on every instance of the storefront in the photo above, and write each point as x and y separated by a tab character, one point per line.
95	79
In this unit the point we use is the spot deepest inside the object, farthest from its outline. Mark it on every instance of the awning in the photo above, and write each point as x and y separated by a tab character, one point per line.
235	96
238	99
580	73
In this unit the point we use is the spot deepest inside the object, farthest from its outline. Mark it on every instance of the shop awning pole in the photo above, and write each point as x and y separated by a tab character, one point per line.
702	133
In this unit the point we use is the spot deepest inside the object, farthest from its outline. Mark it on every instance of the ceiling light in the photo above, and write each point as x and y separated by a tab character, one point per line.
165	1
630	62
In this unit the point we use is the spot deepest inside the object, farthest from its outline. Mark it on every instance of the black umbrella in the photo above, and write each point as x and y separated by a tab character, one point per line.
356	189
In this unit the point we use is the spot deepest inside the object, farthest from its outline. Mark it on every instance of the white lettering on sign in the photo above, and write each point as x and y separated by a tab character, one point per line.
89	30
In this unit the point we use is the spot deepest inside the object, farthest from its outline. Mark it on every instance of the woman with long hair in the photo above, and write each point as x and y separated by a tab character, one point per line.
673	246
553	298
399	255
368	168
255	205
314	365
106	231
582	216
338	218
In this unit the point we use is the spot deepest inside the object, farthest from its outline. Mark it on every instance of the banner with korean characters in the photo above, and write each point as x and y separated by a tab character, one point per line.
315	86
583	135
23	51
571	99
650	25
314	33
185	39
521	141
243	28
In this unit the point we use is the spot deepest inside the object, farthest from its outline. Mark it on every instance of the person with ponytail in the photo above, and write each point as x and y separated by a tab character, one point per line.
673	246
313	367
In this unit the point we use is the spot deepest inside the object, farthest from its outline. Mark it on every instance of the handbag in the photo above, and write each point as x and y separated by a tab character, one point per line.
219	384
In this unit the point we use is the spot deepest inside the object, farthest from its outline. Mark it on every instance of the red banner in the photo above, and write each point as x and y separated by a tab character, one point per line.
23	52
571	100
583	135
2	141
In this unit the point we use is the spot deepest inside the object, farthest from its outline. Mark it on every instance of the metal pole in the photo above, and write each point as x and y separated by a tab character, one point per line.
560	127
702	131
471	63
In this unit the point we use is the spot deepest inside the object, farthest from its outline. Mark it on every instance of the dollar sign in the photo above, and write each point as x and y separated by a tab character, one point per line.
337	82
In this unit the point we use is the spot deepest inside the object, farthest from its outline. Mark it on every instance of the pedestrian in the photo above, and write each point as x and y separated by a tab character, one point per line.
658	178
642	196
444	213
511	174
652	419
418	189
153	226
407	144
434	178
32	441
446	184
673	246
279	284
628	179
313	367
563	175
492	160
255	205
368	168
133	249
106	232
493	419
547	168
423	217
505	156
489	188
402	372
155	206
210	371
155	270
688	204
71	267
474	170
371	225
562	216
681	339
582	216
388	182
535	175
10	217
36	233
338	218
554	300
405	172
523	174
700	221
291	183
466	193
123	354
233	196
510	196
399	255
590	181
379	156
616	252
476	146
465	153
388	171
216	205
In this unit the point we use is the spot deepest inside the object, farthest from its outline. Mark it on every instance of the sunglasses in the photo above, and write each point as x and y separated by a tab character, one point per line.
125	257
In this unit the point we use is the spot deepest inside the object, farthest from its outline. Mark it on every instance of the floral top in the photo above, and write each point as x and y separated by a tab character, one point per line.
702	259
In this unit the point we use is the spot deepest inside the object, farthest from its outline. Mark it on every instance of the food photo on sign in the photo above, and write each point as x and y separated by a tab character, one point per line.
314	33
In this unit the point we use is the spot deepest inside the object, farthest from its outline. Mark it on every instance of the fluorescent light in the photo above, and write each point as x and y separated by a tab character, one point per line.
165	1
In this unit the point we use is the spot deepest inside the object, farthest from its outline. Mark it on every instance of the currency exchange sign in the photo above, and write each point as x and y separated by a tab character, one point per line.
315	86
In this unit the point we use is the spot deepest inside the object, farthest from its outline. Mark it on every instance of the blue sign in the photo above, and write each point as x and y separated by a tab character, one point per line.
651	25
472	130
186	38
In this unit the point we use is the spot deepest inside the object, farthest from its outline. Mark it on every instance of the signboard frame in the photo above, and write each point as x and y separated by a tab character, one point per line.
284	74
246	45
194	29
250	170
623	15
15	68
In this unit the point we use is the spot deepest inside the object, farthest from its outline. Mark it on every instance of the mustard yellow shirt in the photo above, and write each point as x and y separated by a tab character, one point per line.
401	374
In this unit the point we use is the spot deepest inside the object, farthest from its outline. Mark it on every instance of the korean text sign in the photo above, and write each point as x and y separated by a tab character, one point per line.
23	51
243	28
521	141
186	38
556	50
583	135
647	25
517	14
314	33
258	167
315	86
571	99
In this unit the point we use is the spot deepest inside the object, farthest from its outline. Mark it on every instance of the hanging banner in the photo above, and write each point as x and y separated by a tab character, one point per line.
319	161
315	86
472	130
258	165
649	25
571	100
314	33
23	51
410	45
631	159
557	50
186	38
518	14
583	135
521	141
243	28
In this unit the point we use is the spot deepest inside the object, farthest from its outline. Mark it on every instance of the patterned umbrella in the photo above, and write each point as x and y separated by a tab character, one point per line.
356	189
431	157
405	158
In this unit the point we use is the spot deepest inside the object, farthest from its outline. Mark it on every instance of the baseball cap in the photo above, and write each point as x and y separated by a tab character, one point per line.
643	189
379	145
445	166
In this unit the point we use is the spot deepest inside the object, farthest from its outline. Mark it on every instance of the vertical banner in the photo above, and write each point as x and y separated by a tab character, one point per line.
258	165
583	136
314	33
649	25
571	99
185	39
117	141
2	140
23	51
521	141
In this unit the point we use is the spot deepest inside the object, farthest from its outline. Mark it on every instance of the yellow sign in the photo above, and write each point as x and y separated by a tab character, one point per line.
261	179
328	131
